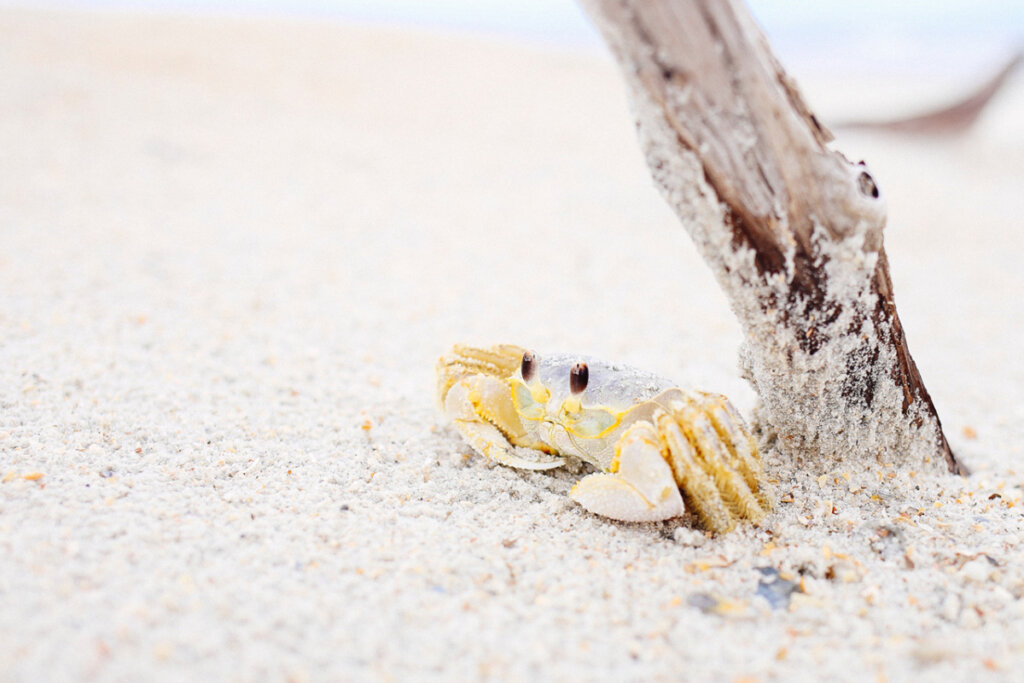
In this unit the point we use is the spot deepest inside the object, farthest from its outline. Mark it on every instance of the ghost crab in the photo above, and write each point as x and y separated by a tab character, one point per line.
661	449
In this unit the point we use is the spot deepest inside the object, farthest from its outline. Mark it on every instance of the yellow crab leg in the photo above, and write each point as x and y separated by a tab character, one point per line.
731	431
716	460
698	488
499	361
481	409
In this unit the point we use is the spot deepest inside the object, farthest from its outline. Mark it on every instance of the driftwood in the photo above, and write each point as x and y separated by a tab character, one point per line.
951	119
791	229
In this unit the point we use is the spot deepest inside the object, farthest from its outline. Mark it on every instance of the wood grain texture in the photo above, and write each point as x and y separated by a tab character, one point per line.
791	228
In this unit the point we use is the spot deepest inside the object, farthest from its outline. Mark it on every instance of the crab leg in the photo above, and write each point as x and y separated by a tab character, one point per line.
481	409
717	460
742	448
702	495
639	487
498	361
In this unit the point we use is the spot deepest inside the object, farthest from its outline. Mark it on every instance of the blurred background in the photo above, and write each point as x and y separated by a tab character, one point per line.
950	35
929	52
480	132
305	110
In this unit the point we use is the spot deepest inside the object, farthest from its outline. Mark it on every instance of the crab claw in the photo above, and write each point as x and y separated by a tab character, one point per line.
640	486
481	409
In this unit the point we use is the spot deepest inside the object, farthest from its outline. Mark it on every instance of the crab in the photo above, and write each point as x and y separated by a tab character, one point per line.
661	450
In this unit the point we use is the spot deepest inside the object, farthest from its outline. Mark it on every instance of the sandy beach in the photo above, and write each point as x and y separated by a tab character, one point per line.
231	251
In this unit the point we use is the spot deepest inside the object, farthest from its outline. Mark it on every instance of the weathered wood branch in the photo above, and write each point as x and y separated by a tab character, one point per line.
951	119
791	229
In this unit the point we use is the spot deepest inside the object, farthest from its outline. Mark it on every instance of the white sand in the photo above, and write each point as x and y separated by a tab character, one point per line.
230	252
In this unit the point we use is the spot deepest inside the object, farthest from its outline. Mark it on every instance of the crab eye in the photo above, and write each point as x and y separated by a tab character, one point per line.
578	377
529	366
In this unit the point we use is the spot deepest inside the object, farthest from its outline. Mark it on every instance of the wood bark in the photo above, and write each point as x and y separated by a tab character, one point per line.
791	229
